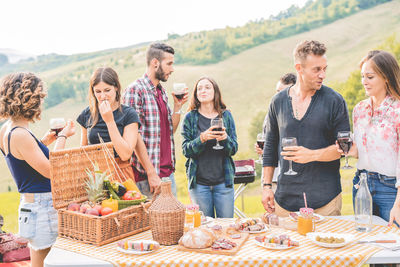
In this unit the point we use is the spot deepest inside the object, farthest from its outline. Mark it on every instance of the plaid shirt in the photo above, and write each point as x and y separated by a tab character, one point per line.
141	95
192	146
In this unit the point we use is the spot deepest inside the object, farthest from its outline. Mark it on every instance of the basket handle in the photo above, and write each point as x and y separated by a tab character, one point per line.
127	217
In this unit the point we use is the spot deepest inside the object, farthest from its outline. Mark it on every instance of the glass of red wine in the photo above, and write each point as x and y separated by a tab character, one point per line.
289	141
179	90
219	124
345	141
260	143
57	124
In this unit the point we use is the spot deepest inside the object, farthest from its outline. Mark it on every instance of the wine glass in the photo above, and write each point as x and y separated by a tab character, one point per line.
219	123
289	141
260	143
57	124
345	142
179	92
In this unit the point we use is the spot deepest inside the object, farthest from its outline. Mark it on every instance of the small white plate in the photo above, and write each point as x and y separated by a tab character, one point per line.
208	220
133	251
272	246
348	238
318	218
255	232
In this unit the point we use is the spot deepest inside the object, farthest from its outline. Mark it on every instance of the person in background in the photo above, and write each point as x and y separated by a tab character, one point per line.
376	124
21	98
113	122
313	114
210	172
159	122
285	81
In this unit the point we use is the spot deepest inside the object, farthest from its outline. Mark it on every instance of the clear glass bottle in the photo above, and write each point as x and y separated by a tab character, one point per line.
363	206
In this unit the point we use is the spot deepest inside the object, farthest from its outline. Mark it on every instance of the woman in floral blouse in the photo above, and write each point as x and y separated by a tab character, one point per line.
210	172
377	133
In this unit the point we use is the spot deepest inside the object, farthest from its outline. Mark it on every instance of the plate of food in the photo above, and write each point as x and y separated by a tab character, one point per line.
330	240
294	215
276	242
206	219
137	247
252	226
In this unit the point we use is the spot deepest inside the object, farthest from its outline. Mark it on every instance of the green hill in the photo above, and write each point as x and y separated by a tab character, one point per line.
247	80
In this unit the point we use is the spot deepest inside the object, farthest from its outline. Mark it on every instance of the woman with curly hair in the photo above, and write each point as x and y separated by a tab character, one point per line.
21	98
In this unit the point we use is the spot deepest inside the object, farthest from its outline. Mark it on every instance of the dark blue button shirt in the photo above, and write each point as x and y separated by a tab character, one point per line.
326	115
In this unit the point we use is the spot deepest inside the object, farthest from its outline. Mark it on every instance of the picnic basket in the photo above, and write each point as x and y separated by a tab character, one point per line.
67	183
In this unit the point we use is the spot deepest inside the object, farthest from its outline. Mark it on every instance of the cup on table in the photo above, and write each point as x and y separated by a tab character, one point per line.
306	221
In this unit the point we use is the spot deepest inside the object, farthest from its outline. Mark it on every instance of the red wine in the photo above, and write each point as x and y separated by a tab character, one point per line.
180	96
218	129
57	130
345	144
260	144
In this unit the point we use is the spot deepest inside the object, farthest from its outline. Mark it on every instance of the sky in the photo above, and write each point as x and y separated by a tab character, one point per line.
78	26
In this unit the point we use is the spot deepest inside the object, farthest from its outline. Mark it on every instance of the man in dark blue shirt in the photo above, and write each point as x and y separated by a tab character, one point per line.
314	114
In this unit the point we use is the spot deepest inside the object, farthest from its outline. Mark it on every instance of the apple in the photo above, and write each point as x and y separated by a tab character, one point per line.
131	195
73	206
92	211
84	207
105	211
137	196
98	208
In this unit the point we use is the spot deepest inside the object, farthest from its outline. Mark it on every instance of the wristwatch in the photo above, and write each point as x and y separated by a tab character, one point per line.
266	184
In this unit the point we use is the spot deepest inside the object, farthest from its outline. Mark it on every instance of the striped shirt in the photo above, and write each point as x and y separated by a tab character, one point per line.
142	95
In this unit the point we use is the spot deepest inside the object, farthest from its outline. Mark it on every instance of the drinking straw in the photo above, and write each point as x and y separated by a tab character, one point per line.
305	199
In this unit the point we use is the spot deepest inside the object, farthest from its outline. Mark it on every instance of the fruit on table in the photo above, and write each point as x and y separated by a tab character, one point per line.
73	206
105	211
132	195
98	207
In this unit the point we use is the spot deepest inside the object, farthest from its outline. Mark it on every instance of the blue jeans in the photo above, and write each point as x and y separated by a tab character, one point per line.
383	192
144	186
214	200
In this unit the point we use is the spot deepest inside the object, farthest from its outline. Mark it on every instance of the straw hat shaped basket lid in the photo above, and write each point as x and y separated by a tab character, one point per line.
167	216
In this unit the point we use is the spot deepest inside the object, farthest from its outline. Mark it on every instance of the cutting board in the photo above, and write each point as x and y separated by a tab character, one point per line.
239	242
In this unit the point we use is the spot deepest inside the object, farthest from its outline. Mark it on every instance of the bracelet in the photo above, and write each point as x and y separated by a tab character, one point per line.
61	136
264	185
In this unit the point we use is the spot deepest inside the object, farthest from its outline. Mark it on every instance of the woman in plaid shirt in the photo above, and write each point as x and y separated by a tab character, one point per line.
210	172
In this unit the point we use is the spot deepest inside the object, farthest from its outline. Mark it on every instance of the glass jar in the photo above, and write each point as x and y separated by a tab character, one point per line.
305	221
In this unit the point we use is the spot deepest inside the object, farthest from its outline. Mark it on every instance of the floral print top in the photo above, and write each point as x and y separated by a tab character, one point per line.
377	136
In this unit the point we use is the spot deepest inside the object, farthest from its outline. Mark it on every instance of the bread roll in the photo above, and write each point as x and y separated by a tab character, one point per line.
197	238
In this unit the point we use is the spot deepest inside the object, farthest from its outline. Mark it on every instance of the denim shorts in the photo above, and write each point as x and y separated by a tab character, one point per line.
38	221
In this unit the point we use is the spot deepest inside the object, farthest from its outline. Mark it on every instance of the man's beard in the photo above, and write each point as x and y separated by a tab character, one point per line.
160	75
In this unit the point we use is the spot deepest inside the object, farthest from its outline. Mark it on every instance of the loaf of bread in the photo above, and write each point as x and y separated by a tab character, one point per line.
198	238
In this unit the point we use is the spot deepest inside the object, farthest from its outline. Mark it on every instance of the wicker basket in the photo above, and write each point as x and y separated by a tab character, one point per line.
67	184
167	216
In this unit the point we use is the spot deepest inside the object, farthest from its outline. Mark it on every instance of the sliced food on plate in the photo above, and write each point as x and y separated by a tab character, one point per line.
137	246
250	225
276	242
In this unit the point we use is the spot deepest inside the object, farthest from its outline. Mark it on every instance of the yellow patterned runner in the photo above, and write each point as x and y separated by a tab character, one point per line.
307	254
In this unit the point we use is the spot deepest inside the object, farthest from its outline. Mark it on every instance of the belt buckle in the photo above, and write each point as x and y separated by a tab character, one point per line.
29	197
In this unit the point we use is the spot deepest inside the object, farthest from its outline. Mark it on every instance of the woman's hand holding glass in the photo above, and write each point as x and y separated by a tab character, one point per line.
210	134
69	129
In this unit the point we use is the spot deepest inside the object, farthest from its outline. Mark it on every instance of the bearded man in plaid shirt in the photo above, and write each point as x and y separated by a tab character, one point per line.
158	121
